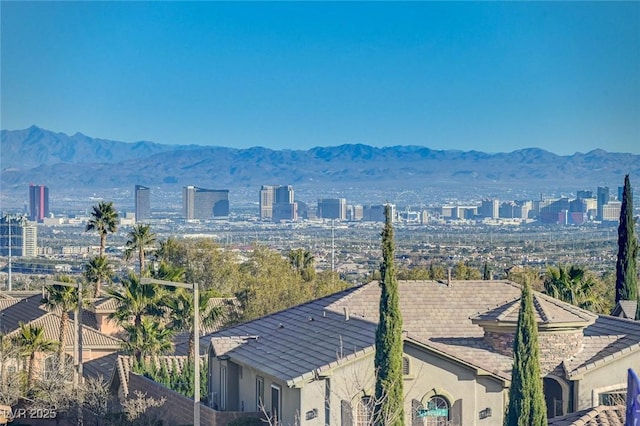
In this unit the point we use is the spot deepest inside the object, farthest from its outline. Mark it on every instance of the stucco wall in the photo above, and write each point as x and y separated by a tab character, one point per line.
602	379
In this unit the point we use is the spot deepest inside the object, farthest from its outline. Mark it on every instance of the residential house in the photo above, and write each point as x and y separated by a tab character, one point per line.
312	364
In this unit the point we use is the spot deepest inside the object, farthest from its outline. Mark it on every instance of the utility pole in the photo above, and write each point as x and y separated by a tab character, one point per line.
196	338
9	222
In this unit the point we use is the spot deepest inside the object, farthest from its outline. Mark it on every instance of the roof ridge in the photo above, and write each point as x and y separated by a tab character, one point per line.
514	306
538	306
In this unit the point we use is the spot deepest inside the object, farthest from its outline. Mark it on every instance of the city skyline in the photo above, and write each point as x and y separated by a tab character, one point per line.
494	77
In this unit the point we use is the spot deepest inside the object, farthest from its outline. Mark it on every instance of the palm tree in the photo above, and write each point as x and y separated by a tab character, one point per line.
303	262
64	299
148	338
573	285
180	304
104	220
169	272
31	340
98	271
135	300
140	240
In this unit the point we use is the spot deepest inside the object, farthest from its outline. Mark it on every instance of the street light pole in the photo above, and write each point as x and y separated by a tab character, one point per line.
196	338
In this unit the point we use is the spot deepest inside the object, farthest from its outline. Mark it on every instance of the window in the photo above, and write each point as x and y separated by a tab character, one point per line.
365	411
53	370
437	411
346	416
275	404
405	366
223	387
50	365
327	402
611	398
259	393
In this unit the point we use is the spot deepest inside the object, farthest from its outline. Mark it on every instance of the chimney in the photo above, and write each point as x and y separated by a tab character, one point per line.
346	313
449	276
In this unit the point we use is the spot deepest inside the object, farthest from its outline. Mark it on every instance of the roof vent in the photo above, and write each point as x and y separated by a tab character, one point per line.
346	313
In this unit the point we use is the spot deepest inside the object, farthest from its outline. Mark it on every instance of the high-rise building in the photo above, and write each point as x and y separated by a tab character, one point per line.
490	208
38	202
375	213
332	208
18	236
203	204
611	211
277	203
603	198
354	212
581	195
143	203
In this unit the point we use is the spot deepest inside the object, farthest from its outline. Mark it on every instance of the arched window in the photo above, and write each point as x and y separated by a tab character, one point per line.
437	411
49	367
53	370
364	415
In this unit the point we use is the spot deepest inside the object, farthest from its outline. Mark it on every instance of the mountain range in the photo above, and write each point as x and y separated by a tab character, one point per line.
82	164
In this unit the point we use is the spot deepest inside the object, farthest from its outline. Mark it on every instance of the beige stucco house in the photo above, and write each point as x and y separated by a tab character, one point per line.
313	364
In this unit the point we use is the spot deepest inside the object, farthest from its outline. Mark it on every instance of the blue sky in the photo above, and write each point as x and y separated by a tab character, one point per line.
489	76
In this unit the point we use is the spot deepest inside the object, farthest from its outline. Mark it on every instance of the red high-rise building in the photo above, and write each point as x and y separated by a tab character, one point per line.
38	202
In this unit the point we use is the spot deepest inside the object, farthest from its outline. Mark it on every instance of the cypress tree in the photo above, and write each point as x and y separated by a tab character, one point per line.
626	275
526	398
389	405
486	273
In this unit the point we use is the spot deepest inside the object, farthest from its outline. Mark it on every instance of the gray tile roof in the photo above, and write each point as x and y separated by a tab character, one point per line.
601	415
294	344
25	311
100	367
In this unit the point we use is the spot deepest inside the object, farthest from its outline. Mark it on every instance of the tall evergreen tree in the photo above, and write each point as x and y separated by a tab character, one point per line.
389	405
626	274
526	398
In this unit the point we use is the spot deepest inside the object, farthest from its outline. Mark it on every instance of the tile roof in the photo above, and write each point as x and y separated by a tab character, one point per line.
19	294
601	415
105	304
295	343
547	311
608	339
100	367
298	342
25	311
625	309
7	302
91	338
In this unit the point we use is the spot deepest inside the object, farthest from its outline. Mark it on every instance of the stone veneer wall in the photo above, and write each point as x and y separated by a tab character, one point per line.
554	346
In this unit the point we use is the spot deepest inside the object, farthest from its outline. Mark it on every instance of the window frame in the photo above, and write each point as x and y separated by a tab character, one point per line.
259	393
276	406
